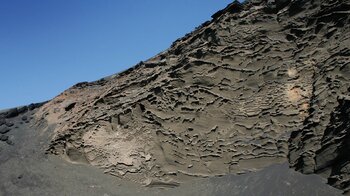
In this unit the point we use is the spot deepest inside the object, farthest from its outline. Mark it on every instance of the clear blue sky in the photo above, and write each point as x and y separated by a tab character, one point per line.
46	46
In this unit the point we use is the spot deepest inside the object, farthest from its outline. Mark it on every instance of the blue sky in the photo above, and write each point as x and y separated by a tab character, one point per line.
46	46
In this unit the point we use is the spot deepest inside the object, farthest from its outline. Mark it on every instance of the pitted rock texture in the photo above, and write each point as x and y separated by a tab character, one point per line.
223	99
333	158
318	146
330	158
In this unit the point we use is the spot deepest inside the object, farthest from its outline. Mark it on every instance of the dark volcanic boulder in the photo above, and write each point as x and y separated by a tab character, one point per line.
4	130
3	137
24	118
9	124
12	113
22	109
2	121
33	106
9	142
234	7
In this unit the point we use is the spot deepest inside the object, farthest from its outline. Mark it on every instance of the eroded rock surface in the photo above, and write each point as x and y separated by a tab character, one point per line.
318	146
223	99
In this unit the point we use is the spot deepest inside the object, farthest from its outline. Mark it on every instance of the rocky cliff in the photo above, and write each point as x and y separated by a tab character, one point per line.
263	82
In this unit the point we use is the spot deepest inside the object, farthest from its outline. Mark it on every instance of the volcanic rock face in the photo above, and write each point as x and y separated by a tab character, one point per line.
331	157
318	146
223	99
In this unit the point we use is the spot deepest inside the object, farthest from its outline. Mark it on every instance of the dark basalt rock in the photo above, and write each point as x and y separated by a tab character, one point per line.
296	6
4	130
81	85
334	152
2	121
273	6
9	142
9	124
24	118
234	7
33	106
69	107
3	137
12	113
22	109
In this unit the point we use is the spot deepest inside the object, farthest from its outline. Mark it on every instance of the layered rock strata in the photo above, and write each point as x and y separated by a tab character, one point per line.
223	99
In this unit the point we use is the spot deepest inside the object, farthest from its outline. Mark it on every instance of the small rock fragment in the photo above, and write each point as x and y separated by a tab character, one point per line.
4	130
9	142
12	113
2	121
4	137
9	124
24	118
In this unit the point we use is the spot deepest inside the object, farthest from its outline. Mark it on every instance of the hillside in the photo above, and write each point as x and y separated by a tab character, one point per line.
263	83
